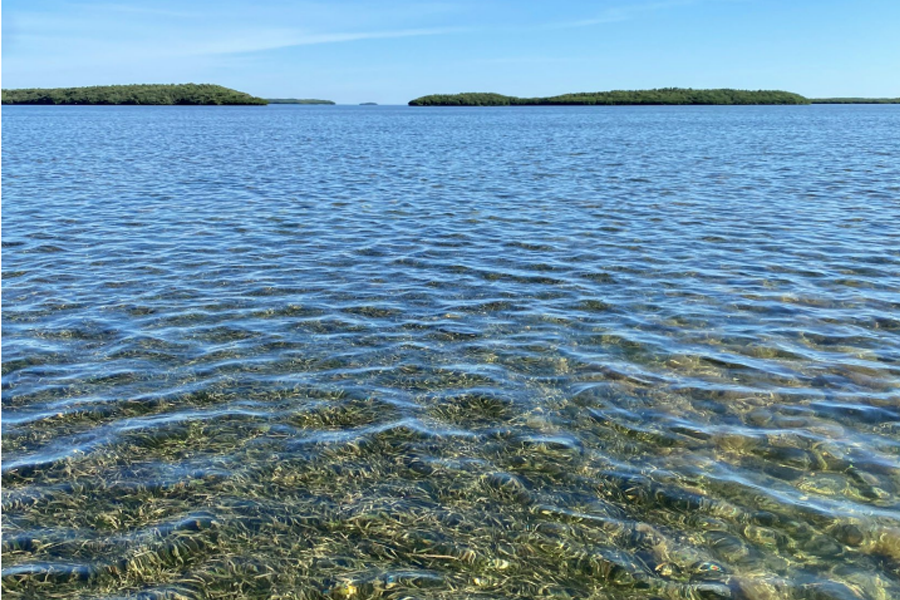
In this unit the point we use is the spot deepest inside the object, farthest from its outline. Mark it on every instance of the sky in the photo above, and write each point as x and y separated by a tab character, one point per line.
390	51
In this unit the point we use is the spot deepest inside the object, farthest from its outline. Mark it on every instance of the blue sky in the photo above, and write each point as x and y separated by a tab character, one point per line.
390	51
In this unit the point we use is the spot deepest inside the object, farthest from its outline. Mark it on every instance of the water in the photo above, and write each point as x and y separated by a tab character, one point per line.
340	352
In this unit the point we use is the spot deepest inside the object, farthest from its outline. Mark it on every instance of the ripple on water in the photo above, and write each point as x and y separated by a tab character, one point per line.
567	352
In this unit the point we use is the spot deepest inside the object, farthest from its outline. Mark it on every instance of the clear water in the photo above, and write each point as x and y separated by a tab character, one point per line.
337	352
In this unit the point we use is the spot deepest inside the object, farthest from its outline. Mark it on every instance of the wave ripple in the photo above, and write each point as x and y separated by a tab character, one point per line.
342	353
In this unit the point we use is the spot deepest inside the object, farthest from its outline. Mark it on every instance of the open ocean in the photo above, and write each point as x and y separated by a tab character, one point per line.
621	353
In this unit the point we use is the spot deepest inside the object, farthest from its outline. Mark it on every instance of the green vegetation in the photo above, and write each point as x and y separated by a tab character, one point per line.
619	97
297	101
856	101
368	104
166	94
467	99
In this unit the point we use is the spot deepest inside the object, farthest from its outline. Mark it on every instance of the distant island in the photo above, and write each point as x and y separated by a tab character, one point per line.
297	101
663	96
855	100
210	94
156	94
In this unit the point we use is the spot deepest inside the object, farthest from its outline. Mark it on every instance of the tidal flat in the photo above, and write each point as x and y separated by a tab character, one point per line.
630	353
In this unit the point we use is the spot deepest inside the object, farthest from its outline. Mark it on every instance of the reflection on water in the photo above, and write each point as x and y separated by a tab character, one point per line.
326	352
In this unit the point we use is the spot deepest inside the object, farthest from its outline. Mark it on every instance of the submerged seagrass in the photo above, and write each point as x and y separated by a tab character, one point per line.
377	352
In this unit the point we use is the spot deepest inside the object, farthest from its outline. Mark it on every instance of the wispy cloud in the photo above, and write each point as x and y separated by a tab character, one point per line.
109	33
146	10
113	52
268	42
618	14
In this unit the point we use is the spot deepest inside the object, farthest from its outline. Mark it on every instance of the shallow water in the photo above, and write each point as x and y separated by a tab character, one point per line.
341	352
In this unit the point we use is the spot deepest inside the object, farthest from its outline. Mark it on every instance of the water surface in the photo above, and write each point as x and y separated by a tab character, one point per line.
341	352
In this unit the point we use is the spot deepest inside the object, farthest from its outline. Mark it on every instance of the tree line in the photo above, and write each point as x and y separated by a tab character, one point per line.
157	94
856	100
298	101
662	96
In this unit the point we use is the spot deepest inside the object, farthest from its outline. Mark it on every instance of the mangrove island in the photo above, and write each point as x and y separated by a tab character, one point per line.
153	94
855	100
298	101
663	96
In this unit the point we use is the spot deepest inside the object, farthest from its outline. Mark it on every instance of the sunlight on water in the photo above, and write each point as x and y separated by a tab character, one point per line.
328	352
